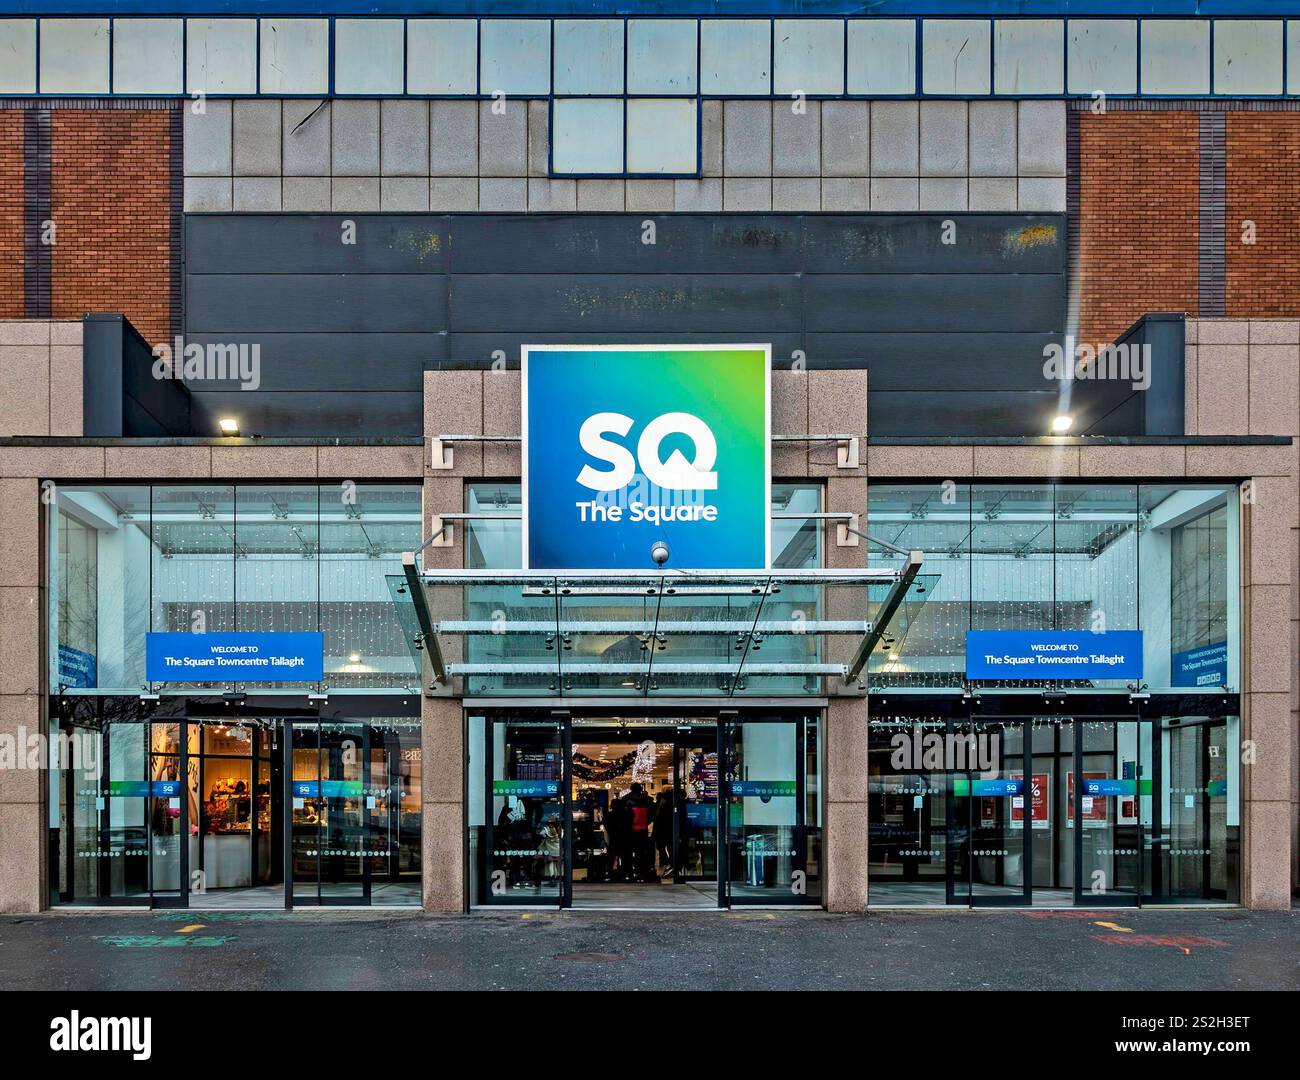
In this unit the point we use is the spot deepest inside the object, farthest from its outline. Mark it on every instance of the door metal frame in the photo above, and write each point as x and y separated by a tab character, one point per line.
800	720
1143	890
560	724
363	900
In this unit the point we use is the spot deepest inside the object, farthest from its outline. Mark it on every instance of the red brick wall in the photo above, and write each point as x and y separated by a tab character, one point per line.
1138	229
110	199
11	214
1263	187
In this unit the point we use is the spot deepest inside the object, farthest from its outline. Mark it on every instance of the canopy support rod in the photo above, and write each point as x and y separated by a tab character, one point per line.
881	622
428	636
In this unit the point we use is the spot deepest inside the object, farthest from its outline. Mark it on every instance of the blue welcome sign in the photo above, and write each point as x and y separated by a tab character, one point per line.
246	657
1053	654
1206	665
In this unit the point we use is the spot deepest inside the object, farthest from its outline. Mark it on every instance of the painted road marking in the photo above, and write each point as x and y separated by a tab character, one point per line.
199	926
1115	926
1185	942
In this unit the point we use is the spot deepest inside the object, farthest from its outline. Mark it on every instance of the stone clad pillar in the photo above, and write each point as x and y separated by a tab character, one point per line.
838	406
453	405
846	804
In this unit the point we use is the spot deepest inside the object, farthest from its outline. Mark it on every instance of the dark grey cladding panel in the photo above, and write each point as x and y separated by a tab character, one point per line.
315	244
347	329
940	412
298	303
935	244
625	243
745	305
968	362
311	413
951	303
336	361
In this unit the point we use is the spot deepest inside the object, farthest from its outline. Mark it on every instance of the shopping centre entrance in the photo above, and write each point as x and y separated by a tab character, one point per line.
684	812
247	812
1086	810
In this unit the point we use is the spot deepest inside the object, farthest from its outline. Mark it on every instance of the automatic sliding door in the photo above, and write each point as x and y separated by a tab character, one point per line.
990	858
525	775
1109	796
763	804
328	822
695	855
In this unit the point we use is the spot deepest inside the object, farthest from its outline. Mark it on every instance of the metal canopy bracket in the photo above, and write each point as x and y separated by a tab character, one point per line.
890	605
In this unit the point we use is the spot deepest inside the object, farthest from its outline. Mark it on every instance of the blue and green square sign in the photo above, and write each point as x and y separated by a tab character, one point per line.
627	446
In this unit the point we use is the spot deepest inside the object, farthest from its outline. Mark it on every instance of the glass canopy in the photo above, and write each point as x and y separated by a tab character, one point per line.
537	633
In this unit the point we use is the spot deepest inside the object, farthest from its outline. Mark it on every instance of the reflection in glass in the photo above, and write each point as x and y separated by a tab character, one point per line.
526	825
217	558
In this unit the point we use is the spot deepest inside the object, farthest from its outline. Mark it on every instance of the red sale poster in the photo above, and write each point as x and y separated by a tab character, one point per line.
1093	811
1040	803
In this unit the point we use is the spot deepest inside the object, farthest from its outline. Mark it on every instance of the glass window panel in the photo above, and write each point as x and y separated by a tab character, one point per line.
661	136
146	56
442	56
1096	538
587	136
364	530
735	56
1175	56
277	564
1028	56
18	47
588	56
955	56
1102	55
1189	596
74	56
882	56
925	644
99	597
295	56
368	56
809	56
221	56
1248	56
515	56
193	564
661	56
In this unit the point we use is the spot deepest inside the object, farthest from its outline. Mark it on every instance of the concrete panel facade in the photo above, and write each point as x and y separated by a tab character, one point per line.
288	155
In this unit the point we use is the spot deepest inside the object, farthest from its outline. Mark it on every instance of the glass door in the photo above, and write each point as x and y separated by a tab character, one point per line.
695	828
1109	807
527	775
989	858
1198	799
764	842
328	823
169	814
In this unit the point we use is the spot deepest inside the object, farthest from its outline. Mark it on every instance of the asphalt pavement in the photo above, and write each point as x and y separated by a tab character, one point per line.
1182	949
